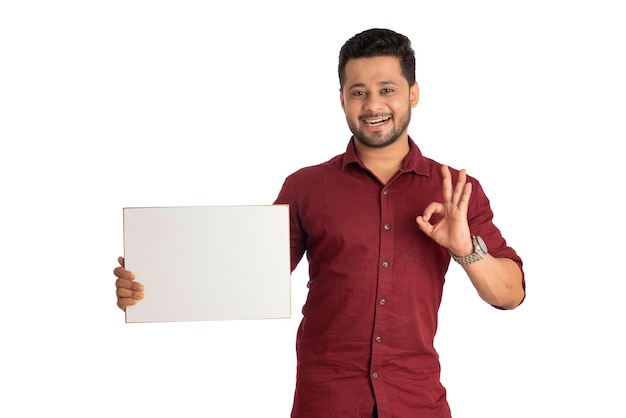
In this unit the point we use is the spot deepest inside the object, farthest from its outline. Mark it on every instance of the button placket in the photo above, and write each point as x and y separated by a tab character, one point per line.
383	291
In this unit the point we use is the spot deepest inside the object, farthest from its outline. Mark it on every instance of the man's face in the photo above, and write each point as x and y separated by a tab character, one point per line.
377	100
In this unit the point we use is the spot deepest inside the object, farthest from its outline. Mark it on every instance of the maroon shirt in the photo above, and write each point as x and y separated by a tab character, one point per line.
375	286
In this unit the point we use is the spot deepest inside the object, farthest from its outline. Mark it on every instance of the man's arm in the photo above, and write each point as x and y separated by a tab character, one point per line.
499	281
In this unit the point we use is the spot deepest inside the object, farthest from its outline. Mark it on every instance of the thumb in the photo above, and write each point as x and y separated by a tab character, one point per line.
431	209
424	225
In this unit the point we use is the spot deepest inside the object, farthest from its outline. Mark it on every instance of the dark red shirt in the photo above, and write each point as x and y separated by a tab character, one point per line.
375	286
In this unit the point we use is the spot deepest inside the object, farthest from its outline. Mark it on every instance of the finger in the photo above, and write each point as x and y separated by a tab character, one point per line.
122	273
447	183
128	284
121	261
465	197
431	209
123	293
424	225
124	302
459	188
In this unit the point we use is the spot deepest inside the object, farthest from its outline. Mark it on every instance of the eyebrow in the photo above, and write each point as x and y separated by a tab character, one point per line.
382	83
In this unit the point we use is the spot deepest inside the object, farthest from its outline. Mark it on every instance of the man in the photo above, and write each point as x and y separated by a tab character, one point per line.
379	225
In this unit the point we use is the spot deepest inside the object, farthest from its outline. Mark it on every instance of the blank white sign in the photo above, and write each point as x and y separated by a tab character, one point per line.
209	263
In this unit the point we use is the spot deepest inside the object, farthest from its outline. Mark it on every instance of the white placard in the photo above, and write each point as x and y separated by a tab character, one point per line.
209	262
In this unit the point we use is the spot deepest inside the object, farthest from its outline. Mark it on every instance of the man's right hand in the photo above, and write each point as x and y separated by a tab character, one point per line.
128	291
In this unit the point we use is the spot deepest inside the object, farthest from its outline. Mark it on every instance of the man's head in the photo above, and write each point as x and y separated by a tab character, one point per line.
376	43
378	88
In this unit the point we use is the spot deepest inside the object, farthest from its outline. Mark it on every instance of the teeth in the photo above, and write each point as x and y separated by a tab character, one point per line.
376	121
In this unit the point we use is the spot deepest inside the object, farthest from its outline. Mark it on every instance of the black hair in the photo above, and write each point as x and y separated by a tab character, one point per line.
377	43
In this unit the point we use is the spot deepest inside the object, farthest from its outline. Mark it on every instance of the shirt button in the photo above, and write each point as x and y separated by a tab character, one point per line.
375	375
379	339
385	264
385	191
387	227
383	301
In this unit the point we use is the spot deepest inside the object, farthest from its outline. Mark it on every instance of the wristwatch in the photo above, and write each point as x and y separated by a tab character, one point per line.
480	250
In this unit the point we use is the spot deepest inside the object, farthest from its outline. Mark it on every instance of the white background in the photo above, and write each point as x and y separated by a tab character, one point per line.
107	104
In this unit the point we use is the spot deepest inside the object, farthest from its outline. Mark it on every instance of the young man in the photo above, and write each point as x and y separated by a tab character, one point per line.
379	225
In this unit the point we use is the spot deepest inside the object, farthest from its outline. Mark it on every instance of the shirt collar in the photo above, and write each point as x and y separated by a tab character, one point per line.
414	160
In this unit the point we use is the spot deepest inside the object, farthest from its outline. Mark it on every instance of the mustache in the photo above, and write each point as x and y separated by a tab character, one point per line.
375	115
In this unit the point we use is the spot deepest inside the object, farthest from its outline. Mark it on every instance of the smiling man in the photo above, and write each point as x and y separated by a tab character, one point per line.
375	100
379	225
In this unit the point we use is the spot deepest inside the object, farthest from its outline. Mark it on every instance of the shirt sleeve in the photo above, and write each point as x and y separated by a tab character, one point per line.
480	218
287	196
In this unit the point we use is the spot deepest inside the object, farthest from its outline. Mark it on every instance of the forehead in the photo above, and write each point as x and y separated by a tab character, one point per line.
373	70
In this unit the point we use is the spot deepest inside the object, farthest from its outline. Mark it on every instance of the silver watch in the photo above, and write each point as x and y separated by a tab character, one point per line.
480	250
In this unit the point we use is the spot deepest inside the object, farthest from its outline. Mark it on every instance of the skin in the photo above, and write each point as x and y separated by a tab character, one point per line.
376	89
128	291
498	281
377	102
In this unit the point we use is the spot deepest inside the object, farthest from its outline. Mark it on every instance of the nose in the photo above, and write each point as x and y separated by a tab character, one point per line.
374	103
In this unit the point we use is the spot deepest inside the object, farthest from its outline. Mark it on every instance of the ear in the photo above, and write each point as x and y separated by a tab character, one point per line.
414	94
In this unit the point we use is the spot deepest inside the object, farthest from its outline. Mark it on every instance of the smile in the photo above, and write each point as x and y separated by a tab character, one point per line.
376	122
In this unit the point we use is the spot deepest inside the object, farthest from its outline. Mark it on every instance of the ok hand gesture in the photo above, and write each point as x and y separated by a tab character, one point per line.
452	231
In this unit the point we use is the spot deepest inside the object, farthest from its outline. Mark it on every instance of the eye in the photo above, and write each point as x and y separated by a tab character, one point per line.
358	93
387	91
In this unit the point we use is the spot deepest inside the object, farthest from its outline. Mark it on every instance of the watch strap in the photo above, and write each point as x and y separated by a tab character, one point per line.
477	255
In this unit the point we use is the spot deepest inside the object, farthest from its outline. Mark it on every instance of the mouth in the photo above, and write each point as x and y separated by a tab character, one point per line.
375	122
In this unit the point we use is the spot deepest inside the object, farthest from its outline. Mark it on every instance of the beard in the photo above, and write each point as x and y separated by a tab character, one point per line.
380	139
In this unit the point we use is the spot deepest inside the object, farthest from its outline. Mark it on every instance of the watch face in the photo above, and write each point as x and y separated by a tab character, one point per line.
481	244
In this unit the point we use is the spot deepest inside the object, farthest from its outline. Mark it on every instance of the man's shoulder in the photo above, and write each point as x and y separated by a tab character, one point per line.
317	169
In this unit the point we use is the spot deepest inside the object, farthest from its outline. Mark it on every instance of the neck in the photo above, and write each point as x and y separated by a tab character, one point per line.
384	162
